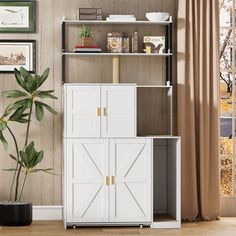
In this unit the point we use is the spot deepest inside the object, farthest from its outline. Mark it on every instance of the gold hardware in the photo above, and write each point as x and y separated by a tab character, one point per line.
107	180
112	180
104	111
99	111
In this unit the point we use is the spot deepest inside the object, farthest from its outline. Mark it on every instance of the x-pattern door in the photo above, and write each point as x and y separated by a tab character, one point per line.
87	193
130	192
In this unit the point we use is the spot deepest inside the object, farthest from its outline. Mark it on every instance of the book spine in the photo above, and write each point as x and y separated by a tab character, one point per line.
134	42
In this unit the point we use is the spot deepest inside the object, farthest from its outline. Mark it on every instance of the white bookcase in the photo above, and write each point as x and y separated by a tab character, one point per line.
121	162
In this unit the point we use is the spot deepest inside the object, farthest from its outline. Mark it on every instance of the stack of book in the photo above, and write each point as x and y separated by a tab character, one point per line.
87	49
121	18
90	14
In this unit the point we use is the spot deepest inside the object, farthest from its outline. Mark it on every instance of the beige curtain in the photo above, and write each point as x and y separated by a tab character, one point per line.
198	120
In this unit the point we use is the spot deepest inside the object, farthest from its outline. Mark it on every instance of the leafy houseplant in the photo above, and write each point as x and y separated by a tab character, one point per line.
27	158
86	36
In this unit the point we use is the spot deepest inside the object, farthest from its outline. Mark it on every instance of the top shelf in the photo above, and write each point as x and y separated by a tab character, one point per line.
103	22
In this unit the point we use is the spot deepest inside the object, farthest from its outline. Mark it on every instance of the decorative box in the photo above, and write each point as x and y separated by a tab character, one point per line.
154	44
117	42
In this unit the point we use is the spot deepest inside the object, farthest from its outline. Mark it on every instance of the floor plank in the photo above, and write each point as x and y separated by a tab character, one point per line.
223	227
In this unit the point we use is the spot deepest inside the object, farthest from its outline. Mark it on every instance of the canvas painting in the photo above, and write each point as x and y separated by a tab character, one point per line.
14	17
17	54
17	16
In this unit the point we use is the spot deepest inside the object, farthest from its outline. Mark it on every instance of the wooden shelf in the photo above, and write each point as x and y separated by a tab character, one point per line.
118	54
104	22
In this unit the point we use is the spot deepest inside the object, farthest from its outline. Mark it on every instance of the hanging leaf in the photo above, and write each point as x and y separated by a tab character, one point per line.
47	107
39	111
43	77
3	140
15	94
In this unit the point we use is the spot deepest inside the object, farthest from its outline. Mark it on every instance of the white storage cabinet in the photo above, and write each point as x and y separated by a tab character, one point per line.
100	111
107	181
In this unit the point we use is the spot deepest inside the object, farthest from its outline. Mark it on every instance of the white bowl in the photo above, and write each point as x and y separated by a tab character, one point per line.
157	16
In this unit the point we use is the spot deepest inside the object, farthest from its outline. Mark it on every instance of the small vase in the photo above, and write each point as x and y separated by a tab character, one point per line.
86	41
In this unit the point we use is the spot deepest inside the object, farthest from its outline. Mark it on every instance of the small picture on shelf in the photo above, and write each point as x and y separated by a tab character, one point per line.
117	42
154	44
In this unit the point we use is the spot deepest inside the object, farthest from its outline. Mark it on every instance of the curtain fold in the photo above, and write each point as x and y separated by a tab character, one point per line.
198	110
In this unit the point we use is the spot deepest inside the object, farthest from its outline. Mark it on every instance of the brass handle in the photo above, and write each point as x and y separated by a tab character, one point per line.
99	111
112	180
107	180
104	111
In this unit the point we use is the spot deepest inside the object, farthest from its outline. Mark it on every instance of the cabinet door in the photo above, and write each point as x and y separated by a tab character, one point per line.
82	119
86	190
130	189
118	111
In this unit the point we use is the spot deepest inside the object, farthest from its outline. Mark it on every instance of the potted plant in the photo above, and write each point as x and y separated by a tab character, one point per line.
14	212
86	36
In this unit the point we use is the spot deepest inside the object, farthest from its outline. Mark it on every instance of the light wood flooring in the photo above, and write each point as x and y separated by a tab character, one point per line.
224	227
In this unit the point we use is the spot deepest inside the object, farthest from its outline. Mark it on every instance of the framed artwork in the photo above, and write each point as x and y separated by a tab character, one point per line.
17	16
17	53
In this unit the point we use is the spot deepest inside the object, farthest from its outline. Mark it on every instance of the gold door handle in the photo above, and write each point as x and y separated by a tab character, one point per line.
99	111
107	180
112	180
104	111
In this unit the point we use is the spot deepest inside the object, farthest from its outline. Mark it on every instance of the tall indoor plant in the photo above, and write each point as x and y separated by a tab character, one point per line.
26	158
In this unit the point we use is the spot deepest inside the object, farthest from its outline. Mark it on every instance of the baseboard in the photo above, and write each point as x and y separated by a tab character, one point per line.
47	212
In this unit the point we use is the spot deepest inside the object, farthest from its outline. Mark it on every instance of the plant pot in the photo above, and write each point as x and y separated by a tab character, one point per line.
15	213
86	41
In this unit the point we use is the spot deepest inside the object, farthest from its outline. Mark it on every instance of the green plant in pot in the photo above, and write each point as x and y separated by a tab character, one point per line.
14	212
86	36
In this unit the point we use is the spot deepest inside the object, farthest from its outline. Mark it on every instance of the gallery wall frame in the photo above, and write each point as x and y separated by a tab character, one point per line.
16	54
18	16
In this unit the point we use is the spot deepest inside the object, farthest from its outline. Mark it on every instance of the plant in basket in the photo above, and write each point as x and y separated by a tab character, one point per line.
86	36
14	212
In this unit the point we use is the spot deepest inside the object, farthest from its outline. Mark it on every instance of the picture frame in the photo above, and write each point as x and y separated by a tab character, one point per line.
18	16
16	54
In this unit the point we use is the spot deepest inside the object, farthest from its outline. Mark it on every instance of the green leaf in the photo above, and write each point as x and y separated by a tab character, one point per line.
3	125
11	169
3	140
15	159
19	115
19	79
39	111
43	77
43	170
47	107
8	110
24	72
15	94
45	94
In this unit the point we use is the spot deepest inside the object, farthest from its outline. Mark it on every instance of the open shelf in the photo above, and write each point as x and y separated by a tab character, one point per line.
154	110
166	182
104	22
118	54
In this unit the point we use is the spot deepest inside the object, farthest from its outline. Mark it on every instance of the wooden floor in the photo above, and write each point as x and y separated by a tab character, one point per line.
224	227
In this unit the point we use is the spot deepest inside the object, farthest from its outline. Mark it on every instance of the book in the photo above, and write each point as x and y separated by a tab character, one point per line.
120	19
122	16
88	49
